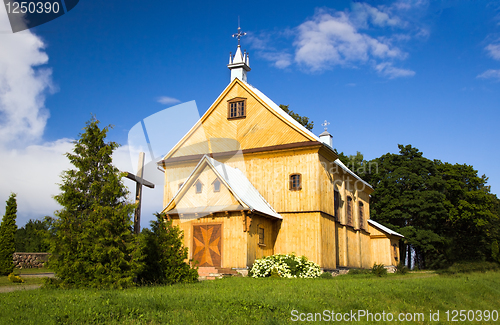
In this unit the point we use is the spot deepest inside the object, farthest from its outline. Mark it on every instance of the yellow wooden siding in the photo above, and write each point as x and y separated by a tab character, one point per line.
381	253
328	242
234	239
353	250
299	233
260	127
366	250
256	251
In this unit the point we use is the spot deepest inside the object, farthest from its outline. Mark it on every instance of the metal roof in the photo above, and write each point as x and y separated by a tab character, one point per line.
384	229
238	185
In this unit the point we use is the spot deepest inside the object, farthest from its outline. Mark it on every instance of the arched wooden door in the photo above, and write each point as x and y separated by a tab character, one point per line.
207	244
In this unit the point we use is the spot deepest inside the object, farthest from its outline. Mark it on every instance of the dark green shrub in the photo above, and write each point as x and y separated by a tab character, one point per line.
379	270
401	269
164	255
470	267
326	275
358	271
8	230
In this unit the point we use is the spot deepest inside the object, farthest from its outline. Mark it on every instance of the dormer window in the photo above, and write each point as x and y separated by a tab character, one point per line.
199	186
236	108
216	185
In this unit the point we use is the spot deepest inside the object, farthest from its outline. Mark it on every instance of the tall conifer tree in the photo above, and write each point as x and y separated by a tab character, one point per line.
94	244
8	230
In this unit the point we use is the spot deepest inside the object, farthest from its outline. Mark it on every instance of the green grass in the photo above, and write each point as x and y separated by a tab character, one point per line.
255	301
33	271
4	281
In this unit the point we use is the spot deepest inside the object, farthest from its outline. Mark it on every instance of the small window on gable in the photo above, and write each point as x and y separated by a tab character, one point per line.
349	211
261	235
236	108
199	186
295	182
216	185
361	216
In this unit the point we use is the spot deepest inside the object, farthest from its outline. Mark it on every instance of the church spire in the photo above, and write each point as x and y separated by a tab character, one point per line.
239	63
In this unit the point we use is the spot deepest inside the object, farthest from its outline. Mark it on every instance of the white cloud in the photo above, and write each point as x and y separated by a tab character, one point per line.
386	69
362	13
23	85
281	59
333	39
494	51
341	38
34	172
165	100
30	168
490	74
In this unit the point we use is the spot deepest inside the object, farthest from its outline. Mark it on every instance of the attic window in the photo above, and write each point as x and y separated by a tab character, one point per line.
199	186
295	182
236	108
216	185
180	184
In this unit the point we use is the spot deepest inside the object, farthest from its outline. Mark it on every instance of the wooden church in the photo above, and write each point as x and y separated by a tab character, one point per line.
248	181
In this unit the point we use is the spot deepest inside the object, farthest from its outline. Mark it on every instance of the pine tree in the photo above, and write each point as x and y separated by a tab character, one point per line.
94	244
8	230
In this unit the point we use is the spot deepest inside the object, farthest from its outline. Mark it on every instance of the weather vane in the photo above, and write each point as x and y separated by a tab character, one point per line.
240	33
325	124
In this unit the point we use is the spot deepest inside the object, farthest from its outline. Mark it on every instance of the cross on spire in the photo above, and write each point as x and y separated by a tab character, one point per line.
325	124
239	34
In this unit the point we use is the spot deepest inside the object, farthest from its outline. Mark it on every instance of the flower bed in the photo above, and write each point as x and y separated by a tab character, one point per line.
285	266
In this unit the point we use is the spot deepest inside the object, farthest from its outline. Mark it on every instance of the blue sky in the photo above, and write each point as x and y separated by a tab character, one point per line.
383	73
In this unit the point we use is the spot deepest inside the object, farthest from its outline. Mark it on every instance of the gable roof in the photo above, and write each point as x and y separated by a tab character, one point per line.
276	109
237	183
260	97
384	229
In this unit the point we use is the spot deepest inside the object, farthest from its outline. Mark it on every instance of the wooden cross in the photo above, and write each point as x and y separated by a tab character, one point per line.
140	181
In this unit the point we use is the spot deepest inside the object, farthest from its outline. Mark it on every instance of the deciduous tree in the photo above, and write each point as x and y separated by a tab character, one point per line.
301	119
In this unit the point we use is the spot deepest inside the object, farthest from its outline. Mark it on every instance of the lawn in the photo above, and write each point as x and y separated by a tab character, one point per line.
258	301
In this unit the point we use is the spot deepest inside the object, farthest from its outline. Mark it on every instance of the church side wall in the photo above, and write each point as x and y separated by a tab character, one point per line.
366	250
270	175
328	242
299	233
381	250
